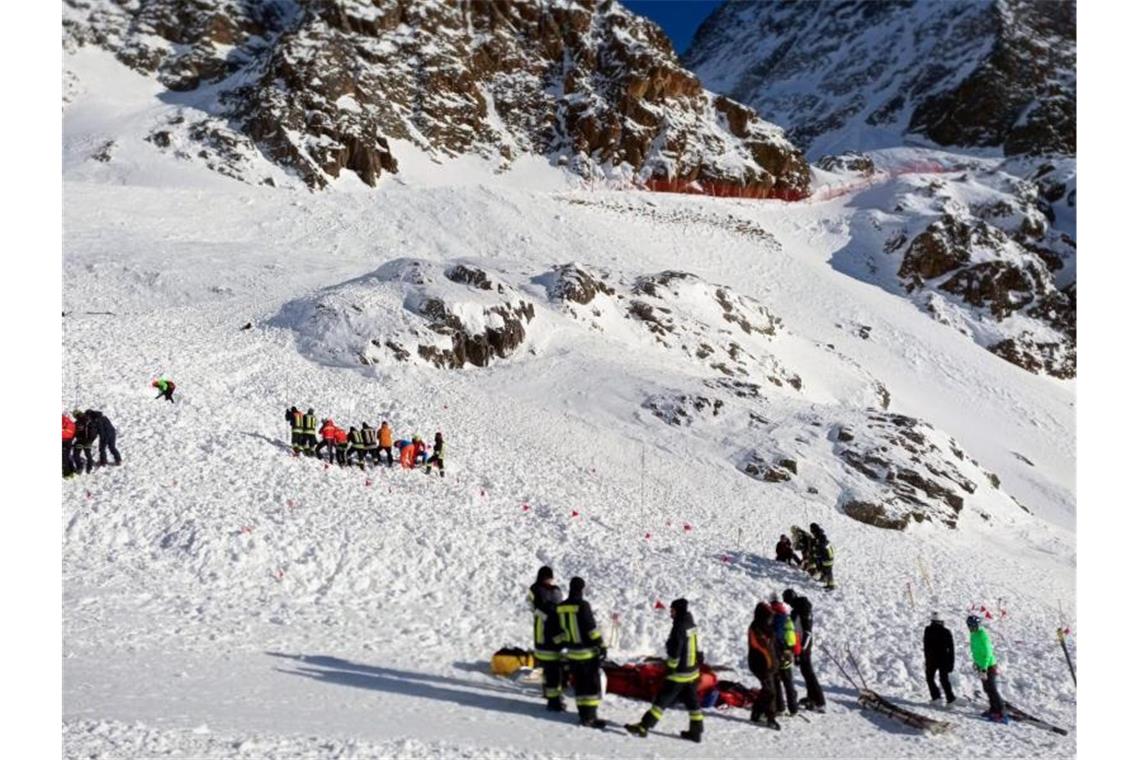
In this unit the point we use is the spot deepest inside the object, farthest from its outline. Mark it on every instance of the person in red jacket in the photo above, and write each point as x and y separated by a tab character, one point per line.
419	450
341	446
68	442
328	439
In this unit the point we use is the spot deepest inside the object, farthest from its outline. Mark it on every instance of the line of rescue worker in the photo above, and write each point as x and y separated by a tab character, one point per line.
358	445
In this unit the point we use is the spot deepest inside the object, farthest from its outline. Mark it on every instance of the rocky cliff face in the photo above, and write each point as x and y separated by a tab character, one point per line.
866	74
324	86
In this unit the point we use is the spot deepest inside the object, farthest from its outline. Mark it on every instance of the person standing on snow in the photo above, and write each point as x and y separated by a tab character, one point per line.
762	663
68	444
341	438
328	439
106	433
544	597
355	446
986	664
938	651
309	432
584	651
165	389
371	446
385	442
683	669
785	552
801	617
436	454
824	556
784	636
296	422
85	434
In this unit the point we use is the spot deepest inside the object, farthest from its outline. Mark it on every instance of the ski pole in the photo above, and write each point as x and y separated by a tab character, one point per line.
1065	649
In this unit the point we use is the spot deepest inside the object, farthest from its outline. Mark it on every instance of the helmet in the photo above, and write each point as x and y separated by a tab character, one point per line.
577	585
680	605
545	574
310	411
973	621
789	595
814	528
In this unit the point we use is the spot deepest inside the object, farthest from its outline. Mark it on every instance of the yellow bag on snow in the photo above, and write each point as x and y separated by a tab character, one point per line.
509	660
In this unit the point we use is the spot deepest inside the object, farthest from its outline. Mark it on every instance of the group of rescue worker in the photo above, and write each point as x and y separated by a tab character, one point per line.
816	554
568	646
566	637
80	431
361	444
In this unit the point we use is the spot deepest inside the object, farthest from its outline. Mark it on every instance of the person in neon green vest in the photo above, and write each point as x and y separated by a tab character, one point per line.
985	663
165	389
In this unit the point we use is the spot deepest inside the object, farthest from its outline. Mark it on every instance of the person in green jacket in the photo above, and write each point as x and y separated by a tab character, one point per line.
985	663
165	389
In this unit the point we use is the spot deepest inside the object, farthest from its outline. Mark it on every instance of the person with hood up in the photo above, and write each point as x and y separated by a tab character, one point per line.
938	652
985	663
683	669
544	597
762	662
584	652
800	607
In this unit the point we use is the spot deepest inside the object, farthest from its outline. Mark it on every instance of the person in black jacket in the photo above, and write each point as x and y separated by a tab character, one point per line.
296	422
85	435
544	597
683	669
584	651
106	433
824	556
801	617
785	552
938	650
762	663
436	455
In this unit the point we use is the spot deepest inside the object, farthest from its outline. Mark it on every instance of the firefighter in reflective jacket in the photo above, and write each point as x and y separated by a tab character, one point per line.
544	597
296	422
341	438
684	669
584	652
370	446
824	556
309	425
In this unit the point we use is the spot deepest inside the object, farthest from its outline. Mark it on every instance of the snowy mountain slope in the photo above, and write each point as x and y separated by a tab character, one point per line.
866	75
224	598
321	89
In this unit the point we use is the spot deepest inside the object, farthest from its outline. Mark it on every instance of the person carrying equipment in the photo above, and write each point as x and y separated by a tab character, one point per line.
938	651
385	442
683	670
436	454
544	597
762	663
68	444
824	556
328	439
986	664
370	446
801	618
165	389
296	422
784	636
785	552
419	450
584	652
85	434
309	432
106	432
341	439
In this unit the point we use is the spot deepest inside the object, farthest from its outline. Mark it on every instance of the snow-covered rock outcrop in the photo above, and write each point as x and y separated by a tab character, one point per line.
862	75
325	86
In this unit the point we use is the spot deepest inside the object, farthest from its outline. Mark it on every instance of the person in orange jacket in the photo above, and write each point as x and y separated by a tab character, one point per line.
341	446
68	442
419	450
386	440
328	439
